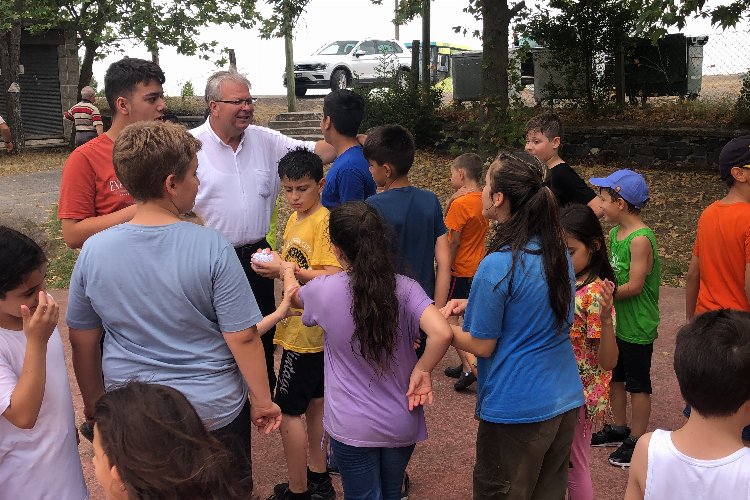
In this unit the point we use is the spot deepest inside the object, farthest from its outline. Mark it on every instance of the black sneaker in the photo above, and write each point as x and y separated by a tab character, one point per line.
454	371
318	491
622	455
464	381
609	436
405	487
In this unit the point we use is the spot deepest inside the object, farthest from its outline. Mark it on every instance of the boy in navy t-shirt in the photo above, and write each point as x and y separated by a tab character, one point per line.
349	178
414	214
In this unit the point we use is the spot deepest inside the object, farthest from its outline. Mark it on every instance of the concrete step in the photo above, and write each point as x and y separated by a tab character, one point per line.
279	124
313	138
293	130
299	116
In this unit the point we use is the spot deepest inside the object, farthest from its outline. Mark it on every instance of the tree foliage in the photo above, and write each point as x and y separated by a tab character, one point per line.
656	15
578	33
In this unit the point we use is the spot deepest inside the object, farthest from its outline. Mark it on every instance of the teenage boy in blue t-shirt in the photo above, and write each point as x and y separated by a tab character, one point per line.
349	178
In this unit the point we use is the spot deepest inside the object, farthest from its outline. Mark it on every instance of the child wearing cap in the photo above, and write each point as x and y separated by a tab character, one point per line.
720	266
634	257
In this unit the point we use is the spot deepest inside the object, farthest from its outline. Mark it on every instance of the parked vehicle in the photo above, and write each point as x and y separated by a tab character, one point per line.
335	65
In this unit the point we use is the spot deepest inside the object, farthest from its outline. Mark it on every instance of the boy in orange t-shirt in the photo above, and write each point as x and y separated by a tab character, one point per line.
719	273
467	234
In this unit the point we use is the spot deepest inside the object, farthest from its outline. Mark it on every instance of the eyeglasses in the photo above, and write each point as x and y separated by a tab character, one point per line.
239	102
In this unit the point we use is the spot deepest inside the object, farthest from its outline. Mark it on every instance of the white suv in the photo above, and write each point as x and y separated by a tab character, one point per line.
337	64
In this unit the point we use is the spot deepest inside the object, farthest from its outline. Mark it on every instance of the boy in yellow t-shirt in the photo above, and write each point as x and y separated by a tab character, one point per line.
467	232
299	388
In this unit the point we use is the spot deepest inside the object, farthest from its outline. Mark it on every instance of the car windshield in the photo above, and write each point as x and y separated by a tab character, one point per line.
338	48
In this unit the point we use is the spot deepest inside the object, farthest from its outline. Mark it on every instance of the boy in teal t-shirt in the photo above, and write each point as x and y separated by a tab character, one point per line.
635	259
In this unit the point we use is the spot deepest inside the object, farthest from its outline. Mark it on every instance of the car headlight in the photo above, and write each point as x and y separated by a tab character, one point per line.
319	67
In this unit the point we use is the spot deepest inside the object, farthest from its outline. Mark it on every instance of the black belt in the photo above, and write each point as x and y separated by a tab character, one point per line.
251	248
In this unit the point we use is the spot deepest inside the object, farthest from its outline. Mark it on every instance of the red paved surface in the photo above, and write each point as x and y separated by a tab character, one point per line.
441	466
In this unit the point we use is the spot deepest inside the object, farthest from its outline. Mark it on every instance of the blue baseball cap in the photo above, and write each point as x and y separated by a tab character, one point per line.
628	184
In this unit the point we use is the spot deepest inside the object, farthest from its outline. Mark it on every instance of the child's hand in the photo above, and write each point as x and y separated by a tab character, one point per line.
266	419
420	388
285	307
38	327
454	307
607	298
268	269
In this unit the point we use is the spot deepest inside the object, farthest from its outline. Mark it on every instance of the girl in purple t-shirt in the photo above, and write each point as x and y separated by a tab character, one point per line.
374	384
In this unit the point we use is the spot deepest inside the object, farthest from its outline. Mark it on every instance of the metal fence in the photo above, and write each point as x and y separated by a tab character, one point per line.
726	60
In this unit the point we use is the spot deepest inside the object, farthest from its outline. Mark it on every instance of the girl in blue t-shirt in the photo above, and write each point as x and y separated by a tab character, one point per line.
517	322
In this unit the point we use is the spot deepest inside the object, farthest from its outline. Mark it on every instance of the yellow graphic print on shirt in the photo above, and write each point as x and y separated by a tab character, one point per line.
307	244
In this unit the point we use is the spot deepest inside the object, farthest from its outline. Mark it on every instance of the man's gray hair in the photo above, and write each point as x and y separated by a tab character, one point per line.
87	92
213	85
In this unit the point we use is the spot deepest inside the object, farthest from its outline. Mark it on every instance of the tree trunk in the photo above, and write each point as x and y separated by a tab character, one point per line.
86	71
291	98
426	60
10	56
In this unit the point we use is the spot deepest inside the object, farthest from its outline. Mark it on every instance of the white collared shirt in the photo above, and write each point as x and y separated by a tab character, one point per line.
239	188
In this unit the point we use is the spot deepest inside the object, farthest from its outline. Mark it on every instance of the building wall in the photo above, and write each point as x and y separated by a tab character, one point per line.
67	59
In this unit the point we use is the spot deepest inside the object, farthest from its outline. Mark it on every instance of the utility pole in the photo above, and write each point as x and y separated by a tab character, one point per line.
395	22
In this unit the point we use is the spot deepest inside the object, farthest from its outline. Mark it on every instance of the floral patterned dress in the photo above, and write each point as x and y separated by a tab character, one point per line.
586	329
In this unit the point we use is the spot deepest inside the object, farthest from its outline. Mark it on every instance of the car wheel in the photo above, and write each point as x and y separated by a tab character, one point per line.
299	92
338	79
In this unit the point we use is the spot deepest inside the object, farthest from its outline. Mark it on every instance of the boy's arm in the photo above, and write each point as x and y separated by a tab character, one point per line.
87	364
305	275
454	241
636	488
28	394
640	250
443	270
247	350
76	232
692	285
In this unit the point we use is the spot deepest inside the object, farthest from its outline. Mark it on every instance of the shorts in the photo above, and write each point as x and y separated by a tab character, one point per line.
634	366
460	287
300	381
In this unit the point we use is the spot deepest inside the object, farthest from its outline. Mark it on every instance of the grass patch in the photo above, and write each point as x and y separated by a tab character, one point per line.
61	258
32	161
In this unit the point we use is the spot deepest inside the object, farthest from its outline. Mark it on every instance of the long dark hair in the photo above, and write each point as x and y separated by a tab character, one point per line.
160	447
580	222
19	256
523	181
358	231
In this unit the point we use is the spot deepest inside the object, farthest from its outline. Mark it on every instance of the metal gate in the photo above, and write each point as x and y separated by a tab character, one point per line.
41	109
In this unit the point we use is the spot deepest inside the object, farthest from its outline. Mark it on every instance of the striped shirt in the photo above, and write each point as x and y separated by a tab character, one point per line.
85	115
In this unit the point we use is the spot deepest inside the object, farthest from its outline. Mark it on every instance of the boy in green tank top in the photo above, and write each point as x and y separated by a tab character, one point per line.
634	256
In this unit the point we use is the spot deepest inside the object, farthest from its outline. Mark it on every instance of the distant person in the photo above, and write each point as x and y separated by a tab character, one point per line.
634	256
349	178
92	198
85	116
179	311
150	443
544	134
38	450
720	267
467	237
240	181
7	137
706	458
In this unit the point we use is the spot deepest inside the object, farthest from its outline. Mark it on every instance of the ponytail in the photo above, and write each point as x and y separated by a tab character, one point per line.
359	232
524	182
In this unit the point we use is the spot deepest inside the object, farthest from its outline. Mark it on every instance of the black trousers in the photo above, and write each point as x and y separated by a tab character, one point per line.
264	296
236	437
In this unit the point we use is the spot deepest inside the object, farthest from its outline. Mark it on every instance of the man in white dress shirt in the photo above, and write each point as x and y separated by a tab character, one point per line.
239	181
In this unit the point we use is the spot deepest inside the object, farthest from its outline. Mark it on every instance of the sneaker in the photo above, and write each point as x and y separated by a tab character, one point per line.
405	486
622	455
454	371
320	491
282	492
464	381
609	436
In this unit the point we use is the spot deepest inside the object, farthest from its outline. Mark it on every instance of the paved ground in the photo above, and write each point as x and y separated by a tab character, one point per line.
441	467
29	196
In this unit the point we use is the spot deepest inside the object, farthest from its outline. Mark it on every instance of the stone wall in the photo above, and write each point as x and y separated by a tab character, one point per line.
67	63
696	146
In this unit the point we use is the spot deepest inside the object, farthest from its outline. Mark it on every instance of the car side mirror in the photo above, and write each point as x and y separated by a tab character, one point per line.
359	52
